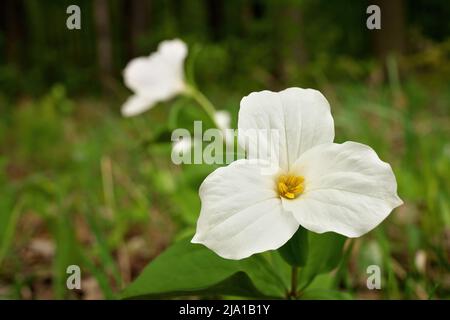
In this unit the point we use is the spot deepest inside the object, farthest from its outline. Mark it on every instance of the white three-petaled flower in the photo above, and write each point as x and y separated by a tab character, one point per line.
320	185
158	77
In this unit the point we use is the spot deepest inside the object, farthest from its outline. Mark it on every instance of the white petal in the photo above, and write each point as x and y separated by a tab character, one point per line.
301	119
159	76
174	51
223	119
241	212
136	105
348	189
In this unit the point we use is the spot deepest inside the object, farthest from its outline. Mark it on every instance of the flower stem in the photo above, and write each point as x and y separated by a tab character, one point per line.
204	102
294	280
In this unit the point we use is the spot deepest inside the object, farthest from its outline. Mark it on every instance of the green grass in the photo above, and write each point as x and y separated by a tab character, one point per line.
82	185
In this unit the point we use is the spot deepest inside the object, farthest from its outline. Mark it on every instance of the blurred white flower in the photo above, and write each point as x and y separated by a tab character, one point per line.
222	119
320	185
158	77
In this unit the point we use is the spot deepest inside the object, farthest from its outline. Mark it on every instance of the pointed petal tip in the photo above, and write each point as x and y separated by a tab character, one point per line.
136	105
125	113
398	202
196	239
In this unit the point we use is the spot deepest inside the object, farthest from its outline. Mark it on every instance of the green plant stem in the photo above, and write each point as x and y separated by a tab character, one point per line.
204	102
294	280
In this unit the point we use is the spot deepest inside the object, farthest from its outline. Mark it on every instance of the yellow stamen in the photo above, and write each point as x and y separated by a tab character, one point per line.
290	186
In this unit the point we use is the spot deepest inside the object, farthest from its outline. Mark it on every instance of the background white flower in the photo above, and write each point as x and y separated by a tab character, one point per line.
320	185
155	78
223	120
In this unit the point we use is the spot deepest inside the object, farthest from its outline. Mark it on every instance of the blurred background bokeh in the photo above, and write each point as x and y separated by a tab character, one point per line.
80	184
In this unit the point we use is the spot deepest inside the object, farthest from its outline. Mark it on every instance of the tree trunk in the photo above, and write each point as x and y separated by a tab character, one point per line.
390	39
10	17
215	18
298	49
137	22
289	51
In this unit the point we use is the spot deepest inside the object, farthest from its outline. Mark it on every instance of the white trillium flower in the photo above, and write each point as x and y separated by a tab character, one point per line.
158	77
320	185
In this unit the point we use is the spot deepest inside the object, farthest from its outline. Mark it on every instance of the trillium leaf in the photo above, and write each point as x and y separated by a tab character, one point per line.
192	269
279	265
324	254
295	251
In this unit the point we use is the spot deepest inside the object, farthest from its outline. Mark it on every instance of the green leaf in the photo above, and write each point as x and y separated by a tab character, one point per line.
192	269
280	266
324	254
295	251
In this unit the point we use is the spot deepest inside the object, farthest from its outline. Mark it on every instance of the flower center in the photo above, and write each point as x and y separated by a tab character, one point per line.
290	186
